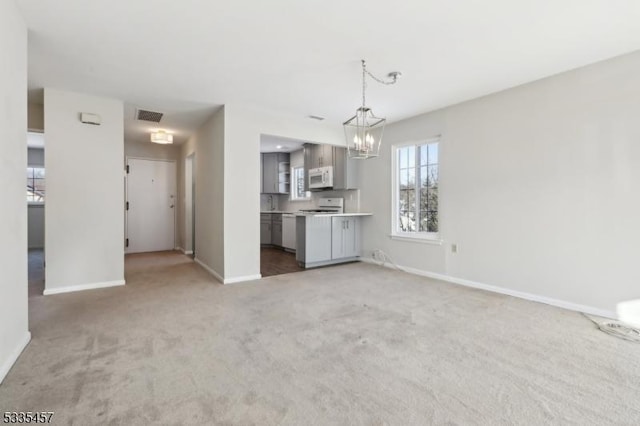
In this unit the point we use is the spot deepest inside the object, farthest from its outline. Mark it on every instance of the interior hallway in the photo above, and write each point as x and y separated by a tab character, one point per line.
355	343
36	272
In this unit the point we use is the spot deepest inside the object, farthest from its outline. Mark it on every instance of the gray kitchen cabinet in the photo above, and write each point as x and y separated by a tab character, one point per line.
261	173
318	155
275	173
265	229
325	240
345	237
270	173
313	240
326	155
276	229
307	164
345	171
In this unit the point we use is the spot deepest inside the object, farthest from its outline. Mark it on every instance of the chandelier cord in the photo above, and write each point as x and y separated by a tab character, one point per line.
365	72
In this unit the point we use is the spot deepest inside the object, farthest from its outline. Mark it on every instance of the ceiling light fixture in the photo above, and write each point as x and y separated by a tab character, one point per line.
364	130
161	137
279	146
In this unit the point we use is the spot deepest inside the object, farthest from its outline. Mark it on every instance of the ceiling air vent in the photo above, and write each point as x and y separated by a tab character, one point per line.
149	115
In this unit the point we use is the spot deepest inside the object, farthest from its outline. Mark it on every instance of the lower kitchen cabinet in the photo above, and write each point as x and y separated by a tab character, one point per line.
324	240
345	237
265	229
276	229
271	229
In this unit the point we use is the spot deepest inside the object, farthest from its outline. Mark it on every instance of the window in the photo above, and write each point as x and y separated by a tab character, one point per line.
297	188
35	184
415	185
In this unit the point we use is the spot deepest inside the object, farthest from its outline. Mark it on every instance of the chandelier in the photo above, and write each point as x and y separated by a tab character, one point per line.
364	130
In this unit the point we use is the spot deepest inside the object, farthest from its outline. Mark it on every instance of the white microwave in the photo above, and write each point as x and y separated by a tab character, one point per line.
320	178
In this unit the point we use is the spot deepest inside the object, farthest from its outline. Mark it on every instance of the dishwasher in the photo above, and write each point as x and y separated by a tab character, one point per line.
289	231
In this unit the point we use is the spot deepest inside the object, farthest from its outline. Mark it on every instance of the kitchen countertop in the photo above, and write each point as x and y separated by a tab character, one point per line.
298	213
276	212
334	214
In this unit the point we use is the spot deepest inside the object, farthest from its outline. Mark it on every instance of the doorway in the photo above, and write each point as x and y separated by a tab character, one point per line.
35	211
150	205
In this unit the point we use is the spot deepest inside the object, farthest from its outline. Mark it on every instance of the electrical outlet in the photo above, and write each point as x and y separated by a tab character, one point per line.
454	248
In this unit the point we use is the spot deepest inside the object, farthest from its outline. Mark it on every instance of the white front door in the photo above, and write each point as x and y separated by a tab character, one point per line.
151	194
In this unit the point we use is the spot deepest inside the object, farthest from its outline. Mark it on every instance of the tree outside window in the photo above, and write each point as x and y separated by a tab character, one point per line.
417	188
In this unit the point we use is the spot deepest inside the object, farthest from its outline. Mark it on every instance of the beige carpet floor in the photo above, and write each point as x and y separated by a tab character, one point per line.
353	344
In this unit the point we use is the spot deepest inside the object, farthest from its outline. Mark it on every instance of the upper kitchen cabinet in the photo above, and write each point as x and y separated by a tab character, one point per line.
275	173
345	171
318	156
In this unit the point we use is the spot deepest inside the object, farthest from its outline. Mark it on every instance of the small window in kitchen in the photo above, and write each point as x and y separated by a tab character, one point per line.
297	187
415	190
35	184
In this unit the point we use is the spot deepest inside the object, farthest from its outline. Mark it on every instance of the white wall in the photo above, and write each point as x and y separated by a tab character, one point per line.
85	192
243	127
14	333
35	117
186	149
150	150
187	189
538	187
208	146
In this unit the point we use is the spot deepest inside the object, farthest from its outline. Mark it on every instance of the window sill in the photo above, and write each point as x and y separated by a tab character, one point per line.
298	200
435	240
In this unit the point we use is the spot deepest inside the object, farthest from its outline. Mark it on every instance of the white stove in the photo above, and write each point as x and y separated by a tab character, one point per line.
327	206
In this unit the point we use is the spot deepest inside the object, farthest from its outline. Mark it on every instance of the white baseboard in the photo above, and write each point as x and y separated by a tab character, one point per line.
495	289
8	363
92	286
206	267
219	277
187	252
236	280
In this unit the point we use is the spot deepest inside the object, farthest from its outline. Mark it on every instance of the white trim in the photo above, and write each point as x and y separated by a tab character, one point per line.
501	290
184	251
206	267
81	287
8	363
417	239
394	181
233	280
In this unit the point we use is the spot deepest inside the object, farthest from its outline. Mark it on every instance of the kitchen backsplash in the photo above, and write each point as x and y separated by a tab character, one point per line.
351	201
270	202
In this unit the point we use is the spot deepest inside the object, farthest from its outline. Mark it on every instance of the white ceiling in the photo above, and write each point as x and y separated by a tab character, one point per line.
270	143
180	119
302	57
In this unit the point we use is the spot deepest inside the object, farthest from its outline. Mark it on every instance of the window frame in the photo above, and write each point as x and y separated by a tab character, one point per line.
294	186
33	179
396	233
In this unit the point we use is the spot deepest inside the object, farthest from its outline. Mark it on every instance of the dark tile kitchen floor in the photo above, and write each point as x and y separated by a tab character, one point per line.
274	261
